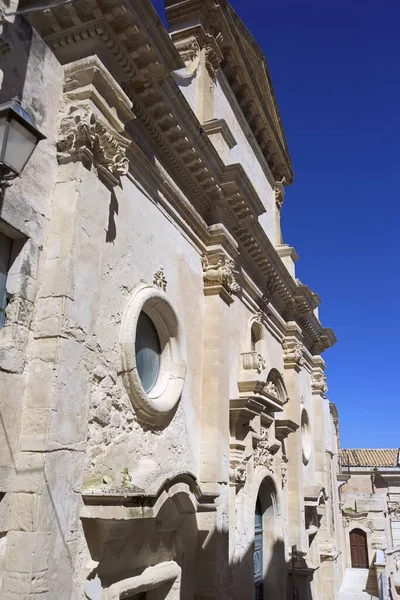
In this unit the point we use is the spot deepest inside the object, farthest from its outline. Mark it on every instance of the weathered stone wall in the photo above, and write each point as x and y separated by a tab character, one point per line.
30	72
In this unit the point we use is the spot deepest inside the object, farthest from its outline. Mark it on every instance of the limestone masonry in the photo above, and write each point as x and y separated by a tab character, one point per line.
165	429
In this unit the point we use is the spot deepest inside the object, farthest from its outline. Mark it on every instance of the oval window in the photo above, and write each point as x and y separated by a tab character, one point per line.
148	352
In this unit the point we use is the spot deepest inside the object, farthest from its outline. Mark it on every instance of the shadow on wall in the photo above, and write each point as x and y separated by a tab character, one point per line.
124	549
14	62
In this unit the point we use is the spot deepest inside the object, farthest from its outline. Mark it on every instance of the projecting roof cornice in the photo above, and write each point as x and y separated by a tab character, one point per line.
244	66
129	39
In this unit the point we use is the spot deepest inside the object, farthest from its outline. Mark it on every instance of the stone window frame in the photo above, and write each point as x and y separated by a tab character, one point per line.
156	407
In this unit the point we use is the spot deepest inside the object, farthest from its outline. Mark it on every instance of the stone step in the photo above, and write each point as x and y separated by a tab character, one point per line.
358	584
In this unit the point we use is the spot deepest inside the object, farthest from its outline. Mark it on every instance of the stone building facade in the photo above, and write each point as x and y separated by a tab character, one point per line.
370	505
165	431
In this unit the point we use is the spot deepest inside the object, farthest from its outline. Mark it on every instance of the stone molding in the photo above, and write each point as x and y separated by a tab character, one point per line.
220	126
157	406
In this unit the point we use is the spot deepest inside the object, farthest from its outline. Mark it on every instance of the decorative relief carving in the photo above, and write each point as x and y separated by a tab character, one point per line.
318	383
82	136
253	361
221	273
188	48
271	389
284	469
159	279
237	473
293	354
394	511
262	454
192	47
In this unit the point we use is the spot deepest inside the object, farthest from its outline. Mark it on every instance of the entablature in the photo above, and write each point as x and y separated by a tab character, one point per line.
129	38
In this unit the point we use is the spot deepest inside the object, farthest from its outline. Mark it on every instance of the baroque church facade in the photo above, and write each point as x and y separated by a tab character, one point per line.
165	430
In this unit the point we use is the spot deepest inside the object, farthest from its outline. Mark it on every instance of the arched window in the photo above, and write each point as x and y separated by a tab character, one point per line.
255	338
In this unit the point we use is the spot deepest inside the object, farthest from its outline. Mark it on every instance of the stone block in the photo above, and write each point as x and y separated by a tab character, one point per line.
5	510
15	585
42	549
370	505
34	429
40	384
45	349
49	315
20	551
23	511
28	472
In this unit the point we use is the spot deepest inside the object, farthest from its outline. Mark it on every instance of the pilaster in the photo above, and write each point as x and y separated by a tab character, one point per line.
91	155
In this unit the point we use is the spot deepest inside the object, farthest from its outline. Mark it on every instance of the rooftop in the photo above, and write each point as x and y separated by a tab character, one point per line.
370	457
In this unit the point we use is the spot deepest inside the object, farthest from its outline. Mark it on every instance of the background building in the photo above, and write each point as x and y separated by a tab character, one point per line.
370	504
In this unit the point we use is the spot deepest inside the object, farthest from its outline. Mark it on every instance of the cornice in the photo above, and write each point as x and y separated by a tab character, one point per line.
130	41
245	69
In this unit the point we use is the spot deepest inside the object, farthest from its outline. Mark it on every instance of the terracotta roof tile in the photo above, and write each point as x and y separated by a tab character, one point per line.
370	457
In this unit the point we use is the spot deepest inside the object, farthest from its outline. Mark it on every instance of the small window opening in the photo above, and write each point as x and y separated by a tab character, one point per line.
255	338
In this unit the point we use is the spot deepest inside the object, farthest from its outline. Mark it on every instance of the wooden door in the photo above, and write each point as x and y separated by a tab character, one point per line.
258	553
359	549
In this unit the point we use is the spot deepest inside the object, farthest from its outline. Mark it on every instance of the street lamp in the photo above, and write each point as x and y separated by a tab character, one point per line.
18	139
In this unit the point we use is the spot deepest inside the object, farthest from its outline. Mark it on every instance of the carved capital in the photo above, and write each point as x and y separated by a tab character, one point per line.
292	354
318	383
194	43
219	271
83	136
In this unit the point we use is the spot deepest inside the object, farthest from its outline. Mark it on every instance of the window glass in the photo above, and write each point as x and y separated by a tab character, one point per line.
148	352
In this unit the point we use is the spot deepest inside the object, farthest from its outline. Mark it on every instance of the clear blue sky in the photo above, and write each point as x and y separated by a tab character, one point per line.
335	69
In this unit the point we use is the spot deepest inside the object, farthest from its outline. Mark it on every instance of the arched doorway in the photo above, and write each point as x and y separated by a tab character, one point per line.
258	551
269	555
359	549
